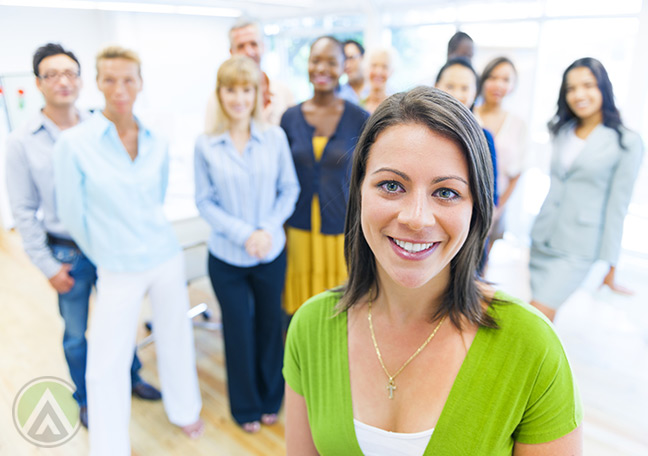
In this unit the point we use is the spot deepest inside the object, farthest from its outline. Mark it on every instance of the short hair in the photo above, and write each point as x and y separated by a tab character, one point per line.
443	114
49	50
237	70
356	44
490	67
611	115
335	41
118	52
388	52
456	40
243	22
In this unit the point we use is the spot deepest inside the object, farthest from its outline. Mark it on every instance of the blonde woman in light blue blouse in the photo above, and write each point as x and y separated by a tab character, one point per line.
246	188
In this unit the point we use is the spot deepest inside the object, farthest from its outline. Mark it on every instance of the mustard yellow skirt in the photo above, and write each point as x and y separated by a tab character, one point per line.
315	262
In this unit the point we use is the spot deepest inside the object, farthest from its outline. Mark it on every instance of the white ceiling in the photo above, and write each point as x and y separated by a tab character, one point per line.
264	10
271	9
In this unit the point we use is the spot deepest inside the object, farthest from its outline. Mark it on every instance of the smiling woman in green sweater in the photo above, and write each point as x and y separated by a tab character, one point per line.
414	355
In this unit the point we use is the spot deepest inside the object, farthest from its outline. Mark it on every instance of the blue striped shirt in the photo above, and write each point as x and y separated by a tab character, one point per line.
112	205
240	193
30	182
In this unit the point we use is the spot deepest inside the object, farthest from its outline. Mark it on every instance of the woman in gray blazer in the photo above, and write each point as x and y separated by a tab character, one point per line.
593	169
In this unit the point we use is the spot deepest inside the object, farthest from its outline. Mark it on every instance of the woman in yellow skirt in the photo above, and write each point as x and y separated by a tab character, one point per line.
322	133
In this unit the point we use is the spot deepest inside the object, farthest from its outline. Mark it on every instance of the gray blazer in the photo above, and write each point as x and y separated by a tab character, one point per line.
583	213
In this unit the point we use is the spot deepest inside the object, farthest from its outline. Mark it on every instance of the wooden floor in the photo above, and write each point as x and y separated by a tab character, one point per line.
30	341
606	337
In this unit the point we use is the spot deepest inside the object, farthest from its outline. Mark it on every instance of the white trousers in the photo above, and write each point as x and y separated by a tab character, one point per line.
111	339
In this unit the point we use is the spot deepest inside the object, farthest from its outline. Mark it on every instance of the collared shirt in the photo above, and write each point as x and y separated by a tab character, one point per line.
110	204
240	193
348	93
30	182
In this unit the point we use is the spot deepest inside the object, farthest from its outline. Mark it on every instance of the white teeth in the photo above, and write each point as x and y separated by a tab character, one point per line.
410	247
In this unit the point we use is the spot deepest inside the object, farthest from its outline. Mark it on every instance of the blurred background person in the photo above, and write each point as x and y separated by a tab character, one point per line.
322	133
509	130
48	244
246	38
111	175
355	88
458	78
461	45
594	166
379	66
246	188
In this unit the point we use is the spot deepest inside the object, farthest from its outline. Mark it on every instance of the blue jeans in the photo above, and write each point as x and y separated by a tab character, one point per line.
73	307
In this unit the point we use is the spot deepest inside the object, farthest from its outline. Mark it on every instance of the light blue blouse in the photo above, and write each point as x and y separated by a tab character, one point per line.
240	193
110	204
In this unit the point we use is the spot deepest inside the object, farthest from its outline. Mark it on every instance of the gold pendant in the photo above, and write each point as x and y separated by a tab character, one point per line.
391	386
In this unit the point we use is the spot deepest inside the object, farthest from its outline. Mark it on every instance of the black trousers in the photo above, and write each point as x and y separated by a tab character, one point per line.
250	301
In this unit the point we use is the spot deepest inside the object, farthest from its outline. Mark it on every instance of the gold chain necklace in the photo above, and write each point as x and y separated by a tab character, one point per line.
391	385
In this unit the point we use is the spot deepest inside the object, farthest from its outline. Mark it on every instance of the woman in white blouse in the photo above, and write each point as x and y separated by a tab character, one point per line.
246	188
509	131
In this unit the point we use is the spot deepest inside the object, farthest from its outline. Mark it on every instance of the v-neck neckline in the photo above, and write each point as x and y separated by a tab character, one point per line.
582	154
476	348
312	127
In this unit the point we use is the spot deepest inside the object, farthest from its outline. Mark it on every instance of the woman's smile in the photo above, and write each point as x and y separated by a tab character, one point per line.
413	250
416	203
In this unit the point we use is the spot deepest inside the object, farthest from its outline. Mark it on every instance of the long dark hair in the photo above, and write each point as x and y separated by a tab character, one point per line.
442	114
611	115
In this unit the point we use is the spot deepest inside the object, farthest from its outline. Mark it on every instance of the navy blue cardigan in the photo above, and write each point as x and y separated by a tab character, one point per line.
328	177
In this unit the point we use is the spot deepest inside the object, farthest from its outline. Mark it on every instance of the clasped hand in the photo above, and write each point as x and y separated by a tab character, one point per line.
259	244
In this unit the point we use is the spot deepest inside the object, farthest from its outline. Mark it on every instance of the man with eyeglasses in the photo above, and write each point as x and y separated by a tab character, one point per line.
30	180
354	90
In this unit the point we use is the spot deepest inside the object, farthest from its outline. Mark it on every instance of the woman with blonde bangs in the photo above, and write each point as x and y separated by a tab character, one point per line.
246	188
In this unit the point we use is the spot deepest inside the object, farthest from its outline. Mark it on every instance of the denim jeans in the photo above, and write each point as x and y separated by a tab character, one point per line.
73	307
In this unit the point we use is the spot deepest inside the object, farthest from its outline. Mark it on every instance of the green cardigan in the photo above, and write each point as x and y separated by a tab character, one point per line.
515	384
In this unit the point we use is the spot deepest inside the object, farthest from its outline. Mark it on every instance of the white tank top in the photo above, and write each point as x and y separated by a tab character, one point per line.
374	441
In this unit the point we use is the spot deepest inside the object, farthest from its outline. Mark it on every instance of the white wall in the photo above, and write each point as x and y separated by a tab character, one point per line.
180	56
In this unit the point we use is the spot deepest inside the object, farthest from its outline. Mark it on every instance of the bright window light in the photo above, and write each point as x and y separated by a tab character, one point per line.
127	7
480	12
592	7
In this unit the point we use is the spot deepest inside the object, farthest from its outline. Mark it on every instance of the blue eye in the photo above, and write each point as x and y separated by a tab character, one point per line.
390	186
446	194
